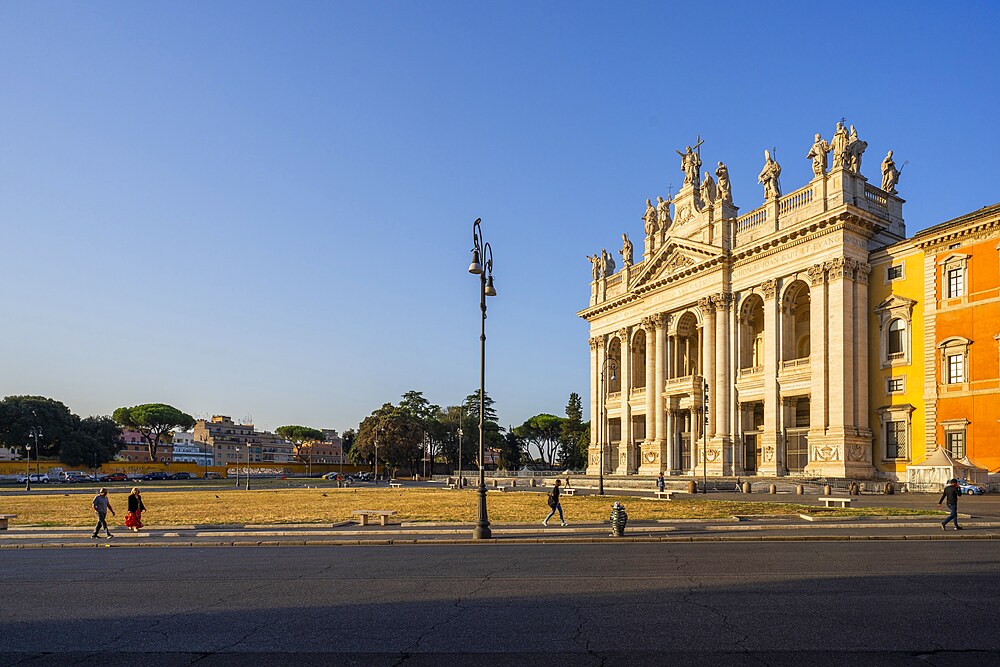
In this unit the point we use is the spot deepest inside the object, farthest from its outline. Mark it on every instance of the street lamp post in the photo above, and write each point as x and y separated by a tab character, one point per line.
27	469
704	437
611	363
237	467
482	251
34	432
375	476
460	417
248	466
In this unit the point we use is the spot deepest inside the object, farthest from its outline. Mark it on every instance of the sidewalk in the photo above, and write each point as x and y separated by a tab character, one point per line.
773	528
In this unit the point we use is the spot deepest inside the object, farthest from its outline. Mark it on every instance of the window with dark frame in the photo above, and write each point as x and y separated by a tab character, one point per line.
895	440
954	442
894	272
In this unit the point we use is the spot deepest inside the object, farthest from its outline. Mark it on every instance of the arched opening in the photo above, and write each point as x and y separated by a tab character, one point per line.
752	333
685	349
613	376
638	365
795	323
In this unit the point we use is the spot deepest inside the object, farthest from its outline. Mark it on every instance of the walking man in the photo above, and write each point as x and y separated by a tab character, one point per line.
554	504
951	493
659	483
102	505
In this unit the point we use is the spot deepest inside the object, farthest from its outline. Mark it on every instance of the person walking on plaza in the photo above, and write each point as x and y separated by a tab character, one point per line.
102	505
555	504
659	482
951	493
135	509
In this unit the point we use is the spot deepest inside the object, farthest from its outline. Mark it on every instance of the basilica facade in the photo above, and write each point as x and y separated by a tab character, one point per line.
739	344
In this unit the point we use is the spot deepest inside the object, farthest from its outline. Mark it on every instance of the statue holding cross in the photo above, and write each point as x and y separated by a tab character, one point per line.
691	163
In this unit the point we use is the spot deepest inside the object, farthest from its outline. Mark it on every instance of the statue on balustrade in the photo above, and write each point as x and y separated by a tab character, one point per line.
595	265
607	263
818	153
855	149
626	251
769	176
725	187
890	175
708	192
650	219
839	145
663	212
690	165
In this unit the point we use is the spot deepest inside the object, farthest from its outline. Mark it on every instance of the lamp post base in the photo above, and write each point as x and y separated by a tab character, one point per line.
482	530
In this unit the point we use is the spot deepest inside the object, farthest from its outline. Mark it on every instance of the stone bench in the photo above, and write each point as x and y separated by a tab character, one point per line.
665	495
835	501
568	491
452	485
395	485
383	516
500	488
4	518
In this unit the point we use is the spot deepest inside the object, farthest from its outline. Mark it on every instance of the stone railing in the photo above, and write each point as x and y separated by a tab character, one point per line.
754	218
876	198
796	200
751	370
795	363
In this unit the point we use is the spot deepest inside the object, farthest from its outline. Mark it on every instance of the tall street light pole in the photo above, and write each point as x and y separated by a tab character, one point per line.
237	468
482	251
460	418
34	432
704	437
609	363
27	468
248	466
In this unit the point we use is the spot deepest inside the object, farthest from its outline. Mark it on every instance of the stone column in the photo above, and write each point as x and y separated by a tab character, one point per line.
819	320
861	337
708	355
841	372
720	405
596	414
771	434
671	454
649	448
621	464
661	359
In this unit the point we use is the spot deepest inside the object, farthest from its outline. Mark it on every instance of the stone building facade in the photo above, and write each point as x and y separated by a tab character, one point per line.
739	344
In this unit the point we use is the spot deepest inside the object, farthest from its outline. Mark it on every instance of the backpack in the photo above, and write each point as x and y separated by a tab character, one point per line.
552	499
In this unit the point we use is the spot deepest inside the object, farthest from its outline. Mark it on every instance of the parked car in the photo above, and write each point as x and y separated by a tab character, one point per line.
113	477
969	489
75	476
211	475
182	475
331	475
156	476
34	477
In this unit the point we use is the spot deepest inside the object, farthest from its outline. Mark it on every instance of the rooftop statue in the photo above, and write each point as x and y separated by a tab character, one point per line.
818	154
650	219
607	263
725	188
708	189
890	175
769	177
626	251
855	149
691	163
663	212
839	145
595	266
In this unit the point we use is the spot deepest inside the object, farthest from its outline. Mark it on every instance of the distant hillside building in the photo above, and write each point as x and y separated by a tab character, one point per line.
135	450
227	440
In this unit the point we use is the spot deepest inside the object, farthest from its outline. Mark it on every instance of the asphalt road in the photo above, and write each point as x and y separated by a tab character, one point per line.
801	603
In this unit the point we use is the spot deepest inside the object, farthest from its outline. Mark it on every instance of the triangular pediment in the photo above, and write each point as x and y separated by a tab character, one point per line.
676	256
894	301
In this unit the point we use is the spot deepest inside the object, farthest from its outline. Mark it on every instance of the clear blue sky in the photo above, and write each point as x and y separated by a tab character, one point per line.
264	209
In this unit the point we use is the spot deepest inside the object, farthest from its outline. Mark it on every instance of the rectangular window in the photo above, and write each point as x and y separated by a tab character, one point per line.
954	442
894	272
956	284
895	440
956	368
894	385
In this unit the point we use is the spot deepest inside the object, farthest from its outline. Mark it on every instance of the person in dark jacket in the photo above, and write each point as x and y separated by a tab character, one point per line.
659	482
554	504
951	493
135	509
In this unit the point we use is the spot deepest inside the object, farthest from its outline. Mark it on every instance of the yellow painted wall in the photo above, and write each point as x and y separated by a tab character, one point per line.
910	286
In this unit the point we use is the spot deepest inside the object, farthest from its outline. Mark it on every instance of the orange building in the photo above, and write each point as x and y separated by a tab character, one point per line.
962	335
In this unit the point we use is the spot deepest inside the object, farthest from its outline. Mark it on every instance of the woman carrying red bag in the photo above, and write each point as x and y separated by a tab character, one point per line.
133	520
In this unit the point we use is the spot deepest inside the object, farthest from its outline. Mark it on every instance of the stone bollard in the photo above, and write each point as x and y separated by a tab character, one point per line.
692	487
495	483
513	482
534	482
889	489
773	489
827	490
800	490
747	488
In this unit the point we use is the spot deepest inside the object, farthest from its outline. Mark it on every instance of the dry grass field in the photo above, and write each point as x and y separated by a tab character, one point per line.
328	505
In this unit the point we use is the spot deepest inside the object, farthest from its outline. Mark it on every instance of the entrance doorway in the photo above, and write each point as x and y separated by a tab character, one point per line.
751	452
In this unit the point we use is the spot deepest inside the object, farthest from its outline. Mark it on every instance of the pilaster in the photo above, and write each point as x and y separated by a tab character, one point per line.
771	435
708	355
652	458
819	321
625	462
